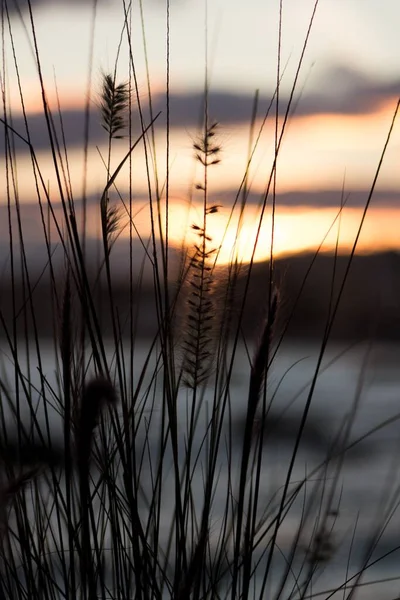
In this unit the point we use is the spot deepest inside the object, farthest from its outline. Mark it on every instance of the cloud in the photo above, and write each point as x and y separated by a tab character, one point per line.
342	92
329	198
21	6
347	91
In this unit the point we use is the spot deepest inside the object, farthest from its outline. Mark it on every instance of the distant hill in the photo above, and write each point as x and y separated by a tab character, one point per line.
369	306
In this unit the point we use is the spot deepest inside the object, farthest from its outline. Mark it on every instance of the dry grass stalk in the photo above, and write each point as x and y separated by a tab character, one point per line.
97	394
114	103
198	345
260	366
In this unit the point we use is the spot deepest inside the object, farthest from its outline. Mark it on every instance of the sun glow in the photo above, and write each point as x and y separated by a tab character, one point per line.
299	229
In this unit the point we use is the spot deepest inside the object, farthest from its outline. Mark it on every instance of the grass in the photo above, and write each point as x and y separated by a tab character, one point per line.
148	489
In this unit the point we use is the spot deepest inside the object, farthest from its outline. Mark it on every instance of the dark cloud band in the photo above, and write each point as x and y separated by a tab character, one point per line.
357	95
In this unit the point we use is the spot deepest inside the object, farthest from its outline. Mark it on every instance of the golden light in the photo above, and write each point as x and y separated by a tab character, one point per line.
297	229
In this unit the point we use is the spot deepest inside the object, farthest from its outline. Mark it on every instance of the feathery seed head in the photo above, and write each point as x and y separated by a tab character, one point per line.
98	393
114	102
199	343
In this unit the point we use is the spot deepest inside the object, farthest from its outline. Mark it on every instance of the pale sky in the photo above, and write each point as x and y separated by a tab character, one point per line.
360	35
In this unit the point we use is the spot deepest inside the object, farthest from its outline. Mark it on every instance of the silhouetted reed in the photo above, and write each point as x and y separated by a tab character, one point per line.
199	330
161	494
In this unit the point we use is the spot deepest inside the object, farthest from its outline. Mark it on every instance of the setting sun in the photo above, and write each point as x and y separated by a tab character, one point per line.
298	229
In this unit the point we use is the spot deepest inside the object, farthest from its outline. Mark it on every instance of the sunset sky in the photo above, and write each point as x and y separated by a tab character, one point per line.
344	102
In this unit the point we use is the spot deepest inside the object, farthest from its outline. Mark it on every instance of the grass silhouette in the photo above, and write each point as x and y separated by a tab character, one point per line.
149	491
